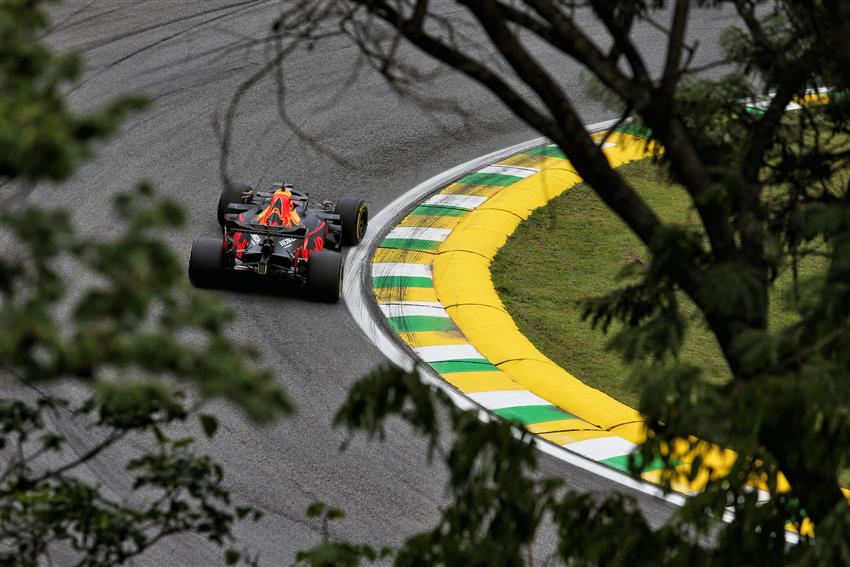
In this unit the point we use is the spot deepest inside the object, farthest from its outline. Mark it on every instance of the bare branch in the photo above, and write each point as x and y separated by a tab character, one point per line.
113	437
419	11
674	49
568	37
619	28
468	66
569	132
224	131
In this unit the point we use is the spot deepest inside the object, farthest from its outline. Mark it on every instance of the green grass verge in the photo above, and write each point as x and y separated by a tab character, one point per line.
573	249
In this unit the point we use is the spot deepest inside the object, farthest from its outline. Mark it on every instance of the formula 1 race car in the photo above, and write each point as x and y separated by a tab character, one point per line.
279	234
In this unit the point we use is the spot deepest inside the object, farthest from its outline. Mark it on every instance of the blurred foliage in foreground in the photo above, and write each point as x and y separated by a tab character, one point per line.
112	318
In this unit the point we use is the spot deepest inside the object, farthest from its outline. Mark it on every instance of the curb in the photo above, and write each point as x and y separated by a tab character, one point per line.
360	302
431	281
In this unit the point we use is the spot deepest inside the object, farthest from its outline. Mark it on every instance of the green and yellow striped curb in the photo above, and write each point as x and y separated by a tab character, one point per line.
431	279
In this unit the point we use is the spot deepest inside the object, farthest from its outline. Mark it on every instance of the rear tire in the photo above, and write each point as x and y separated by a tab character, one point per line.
232	193
354	215
206	262
324	275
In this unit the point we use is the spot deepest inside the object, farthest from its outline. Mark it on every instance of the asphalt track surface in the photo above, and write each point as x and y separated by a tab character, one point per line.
182	55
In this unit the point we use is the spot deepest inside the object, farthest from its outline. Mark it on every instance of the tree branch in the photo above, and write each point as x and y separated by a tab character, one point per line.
565	35
465	64
675	45
619	29
112	438
570	134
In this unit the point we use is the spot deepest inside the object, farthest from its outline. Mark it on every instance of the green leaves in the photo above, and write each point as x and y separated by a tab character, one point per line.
332	553
135	338
42	506
730	290
495	503
612	531
129	322
391	391
319	509
40	137
209	424
337	554
136	405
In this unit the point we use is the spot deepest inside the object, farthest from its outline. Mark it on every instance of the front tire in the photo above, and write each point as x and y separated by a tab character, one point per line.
232	193
206	263
354	215
324	275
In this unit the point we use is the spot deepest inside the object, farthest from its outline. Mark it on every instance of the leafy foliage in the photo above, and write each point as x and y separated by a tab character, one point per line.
134	337
496	504
40	506
334	553
129	321
125	335
41	138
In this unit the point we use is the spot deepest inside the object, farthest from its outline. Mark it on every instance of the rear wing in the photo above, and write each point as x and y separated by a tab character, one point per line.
232	223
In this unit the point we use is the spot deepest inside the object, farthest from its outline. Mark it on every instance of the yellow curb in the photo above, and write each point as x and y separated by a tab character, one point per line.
391	294
475	190
634	431
393	255
474	382
539	162
464	277
464	286
556	426
482	231
433	338
431	222
567	437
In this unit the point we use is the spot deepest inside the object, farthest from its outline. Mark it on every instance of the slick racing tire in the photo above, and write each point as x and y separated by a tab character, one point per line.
206	262
324	275
354	215
233	193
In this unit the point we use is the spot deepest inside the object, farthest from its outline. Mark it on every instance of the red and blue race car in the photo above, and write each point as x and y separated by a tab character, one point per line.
279	234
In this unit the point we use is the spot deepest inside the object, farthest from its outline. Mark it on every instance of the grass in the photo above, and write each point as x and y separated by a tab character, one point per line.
574	249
